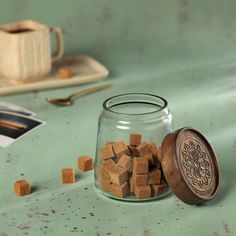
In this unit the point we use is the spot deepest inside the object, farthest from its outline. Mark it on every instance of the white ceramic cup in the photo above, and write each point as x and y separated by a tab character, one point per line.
25	50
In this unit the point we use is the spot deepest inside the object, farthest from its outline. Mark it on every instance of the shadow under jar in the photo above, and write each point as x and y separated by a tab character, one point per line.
130	132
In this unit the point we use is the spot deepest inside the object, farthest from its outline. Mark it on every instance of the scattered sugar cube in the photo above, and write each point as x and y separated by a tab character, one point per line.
85	163
22	187
68	175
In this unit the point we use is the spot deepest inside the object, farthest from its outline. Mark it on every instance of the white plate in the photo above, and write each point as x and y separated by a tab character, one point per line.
85	70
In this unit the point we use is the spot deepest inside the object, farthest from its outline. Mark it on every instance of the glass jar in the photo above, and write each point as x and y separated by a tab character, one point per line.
130	131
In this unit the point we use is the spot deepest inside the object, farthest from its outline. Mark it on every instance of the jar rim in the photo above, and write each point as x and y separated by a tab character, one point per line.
159	107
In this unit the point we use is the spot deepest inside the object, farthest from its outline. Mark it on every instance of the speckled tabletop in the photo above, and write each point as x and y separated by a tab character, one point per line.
182	50
205	103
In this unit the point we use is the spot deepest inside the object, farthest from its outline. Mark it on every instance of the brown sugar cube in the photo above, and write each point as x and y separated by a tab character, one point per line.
120	190
22	187
126	162
85	163
106	185
65	72
158	189
144	149
140	179
147	148
105	167
140	165
104	174
68	175
142	192
118	175
120	148
154	176
108	164
133	151
106	152
135	139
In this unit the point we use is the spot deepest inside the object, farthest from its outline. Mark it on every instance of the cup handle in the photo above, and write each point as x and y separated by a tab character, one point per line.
60	43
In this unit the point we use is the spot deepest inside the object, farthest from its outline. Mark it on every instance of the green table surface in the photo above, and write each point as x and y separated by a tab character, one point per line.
183	50
201	94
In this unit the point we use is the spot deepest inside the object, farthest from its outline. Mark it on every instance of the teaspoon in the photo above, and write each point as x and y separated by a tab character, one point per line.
69	100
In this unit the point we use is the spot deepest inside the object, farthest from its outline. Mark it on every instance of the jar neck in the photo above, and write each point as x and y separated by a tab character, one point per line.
137	106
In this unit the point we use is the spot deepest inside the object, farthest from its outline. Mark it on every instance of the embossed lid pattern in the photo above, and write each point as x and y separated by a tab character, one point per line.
190	166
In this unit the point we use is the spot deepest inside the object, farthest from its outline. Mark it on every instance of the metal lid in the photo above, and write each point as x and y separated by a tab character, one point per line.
190	166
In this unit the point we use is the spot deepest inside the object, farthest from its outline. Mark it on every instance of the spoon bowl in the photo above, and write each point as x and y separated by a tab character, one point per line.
60	101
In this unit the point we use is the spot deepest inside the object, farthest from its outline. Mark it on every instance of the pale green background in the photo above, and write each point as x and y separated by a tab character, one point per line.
183	50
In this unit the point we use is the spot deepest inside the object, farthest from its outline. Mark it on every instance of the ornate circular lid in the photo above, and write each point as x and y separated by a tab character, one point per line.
190	166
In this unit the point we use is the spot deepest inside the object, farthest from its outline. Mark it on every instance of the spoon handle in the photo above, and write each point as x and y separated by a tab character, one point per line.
90	90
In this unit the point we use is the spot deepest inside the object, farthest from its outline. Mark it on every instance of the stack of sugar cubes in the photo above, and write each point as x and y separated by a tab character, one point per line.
131	170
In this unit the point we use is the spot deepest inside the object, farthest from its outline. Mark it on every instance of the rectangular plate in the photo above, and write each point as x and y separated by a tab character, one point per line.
85	70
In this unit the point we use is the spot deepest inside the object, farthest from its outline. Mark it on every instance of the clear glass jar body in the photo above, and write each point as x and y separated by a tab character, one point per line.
148	120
